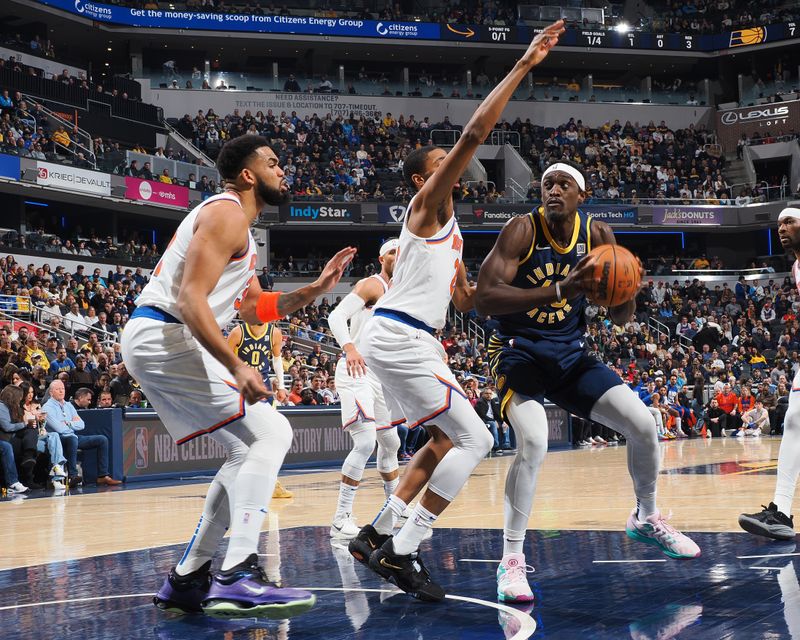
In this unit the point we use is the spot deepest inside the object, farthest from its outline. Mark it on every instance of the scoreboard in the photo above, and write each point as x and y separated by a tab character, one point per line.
610	39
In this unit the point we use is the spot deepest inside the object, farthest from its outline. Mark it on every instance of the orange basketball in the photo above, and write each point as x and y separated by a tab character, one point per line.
616	274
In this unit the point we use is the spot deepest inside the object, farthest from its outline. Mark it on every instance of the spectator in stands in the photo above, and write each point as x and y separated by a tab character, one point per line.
146	173
133	169
8	468
61	137
35	418
488	408
62	418
730	404
756	420
105	400
165	177
20	436
61	362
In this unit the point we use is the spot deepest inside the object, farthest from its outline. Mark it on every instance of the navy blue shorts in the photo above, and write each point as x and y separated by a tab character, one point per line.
561	371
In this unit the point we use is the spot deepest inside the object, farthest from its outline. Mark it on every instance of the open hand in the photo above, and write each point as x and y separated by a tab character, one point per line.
542	43
333	271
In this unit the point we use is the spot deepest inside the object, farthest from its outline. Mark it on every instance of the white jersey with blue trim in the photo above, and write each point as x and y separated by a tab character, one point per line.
425	273
165	281
358	321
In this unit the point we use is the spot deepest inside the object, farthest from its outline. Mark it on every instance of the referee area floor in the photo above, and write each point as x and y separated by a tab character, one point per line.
86	565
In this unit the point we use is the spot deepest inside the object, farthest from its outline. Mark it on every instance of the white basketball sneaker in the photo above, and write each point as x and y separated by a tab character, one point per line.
512	583
344	527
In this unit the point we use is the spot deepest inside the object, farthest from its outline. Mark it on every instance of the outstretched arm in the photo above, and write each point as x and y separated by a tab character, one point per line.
423	218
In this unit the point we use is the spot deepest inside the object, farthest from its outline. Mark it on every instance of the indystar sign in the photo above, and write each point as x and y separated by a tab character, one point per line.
316	212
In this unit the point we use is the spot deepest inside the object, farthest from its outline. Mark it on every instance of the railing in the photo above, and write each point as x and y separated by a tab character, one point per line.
187	144
87	147
499	137
518	192
22	309
658	328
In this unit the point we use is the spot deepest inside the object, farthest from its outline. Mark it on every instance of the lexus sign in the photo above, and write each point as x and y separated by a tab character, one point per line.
765	119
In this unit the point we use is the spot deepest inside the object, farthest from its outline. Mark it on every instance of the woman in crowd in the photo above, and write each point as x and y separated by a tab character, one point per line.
35	418
13	430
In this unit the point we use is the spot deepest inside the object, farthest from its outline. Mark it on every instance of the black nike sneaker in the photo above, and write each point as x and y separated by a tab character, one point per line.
183	594
407	573
367	540
769	523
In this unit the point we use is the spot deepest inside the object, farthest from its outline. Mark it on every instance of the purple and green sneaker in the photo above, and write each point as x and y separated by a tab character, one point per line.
244	592
184	594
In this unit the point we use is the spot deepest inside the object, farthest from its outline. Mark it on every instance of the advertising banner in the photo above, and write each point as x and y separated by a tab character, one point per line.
777	119
9	166
612	214
156	192
149	449
65	177
500	213
212	21
558	426
391	214
687	215
320	212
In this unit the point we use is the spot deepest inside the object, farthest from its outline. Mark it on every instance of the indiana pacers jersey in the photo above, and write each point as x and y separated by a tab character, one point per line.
546	263
255	348
540	352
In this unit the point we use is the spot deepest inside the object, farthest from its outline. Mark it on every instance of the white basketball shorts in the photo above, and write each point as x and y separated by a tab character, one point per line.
192	392
410	363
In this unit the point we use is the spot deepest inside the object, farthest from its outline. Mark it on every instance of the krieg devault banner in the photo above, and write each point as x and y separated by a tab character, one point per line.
687	215
74	179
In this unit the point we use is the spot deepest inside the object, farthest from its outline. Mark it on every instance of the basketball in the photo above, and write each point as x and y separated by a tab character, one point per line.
617	275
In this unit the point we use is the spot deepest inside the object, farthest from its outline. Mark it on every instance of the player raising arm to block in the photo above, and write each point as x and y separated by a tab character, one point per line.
174	347
535	282
398	344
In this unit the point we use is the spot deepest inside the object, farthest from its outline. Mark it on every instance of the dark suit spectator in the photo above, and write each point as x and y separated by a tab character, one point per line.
291	85
488	409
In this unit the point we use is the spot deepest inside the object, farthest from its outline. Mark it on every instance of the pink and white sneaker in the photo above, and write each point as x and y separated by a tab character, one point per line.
512	583
655	530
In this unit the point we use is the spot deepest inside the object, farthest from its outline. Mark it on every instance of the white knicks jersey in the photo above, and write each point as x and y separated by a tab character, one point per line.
425	273
165	282
796	275
358	321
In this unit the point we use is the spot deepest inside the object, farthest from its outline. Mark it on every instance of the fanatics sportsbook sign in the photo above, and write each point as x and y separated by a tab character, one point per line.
320	212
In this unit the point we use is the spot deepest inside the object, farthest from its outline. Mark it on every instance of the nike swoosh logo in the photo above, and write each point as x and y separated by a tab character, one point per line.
253	590
388	565
371	544
538	248
581	343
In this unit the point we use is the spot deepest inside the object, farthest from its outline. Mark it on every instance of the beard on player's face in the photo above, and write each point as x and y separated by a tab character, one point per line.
271	195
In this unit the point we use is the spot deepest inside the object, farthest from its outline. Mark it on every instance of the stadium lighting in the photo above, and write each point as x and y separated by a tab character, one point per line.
623	27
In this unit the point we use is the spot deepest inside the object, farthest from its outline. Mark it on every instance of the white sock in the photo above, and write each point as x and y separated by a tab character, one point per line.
202	546
347	493
248	522
390	485
392	509
413	531
513	542
788	457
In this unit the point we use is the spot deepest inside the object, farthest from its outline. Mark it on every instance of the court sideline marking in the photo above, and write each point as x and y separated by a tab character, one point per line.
526	630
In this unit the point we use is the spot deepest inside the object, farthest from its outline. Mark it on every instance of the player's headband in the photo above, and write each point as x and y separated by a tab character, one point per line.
572	171
789	212
387	246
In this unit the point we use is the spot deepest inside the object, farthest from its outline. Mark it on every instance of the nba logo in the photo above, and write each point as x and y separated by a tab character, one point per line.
142	448
581	248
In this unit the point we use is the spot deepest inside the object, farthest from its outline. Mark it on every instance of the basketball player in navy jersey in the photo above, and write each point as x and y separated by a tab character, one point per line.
259	346
398	344
534	282
775	520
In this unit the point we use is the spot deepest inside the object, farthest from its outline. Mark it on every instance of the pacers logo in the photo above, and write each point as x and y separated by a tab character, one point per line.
746	37
545	276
